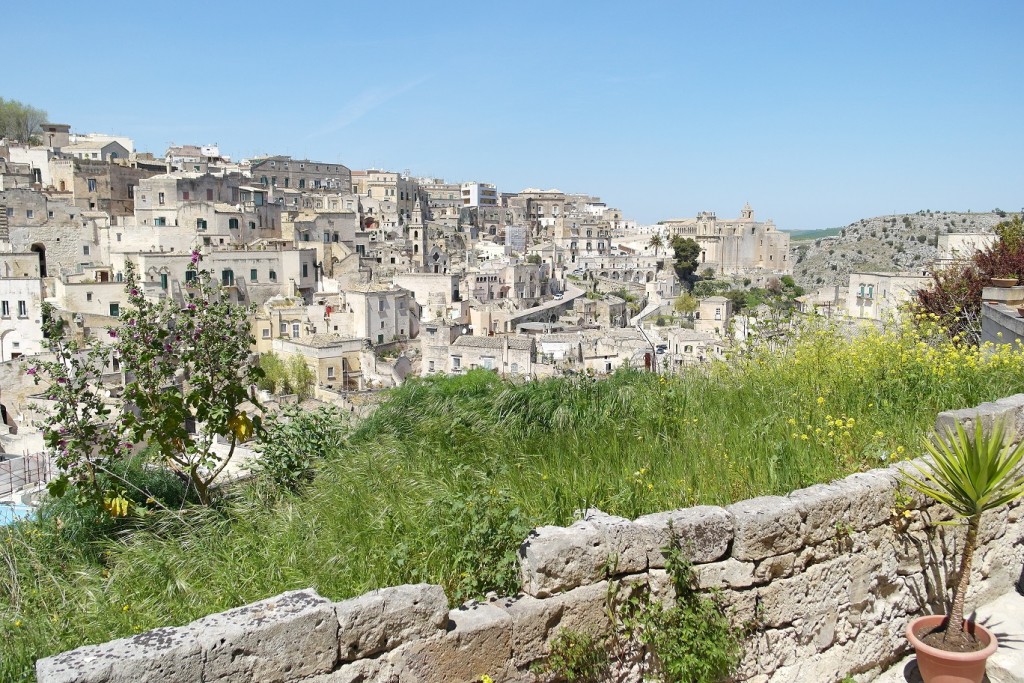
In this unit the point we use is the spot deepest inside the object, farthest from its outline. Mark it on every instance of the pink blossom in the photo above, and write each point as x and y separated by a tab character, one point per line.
112	333
32	371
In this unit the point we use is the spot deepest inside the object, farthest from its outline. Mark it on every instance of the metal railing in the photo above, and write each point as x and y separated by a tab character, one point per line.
21	471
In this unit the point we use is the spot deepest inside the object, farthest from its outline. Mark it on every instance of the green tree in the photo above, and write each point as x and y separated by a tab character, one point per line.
685	251
275	375
534	259
656	242
686	304
20	121
301	378
188	370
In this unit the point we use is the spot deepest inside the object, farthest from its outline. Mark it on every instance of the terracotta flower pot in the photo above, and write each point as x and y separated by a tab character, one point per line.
1004	281
942	666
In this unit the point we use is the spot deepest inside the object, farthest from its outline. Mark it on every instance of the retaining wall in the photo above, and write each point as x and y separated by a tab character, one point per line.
830	575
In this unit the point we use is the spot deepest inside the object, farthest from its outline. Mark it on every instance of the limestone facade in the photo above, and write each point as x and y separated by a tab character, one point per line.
735	247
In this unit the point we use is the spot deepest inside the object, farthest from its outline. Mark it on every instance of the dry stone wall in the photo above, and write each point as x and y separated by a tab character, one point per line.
828	575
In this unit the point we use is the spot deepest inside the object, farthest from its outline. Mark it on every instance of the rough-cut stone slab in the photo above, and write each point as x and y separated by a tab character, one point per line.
765	526
479	642
988	413
163	654
728	573
822	507
384	619
556	558
534	623
583	609
1016	404
871	498
624	539
704	533
283	638
374	670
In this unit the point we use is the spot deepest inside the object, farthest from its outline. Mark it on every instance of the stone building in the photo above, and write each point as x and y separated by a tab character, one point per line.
875	296
713	315
97	185
95	150
447	349
283	172
397	189
64	237
21	298
735	247
336	361
443	200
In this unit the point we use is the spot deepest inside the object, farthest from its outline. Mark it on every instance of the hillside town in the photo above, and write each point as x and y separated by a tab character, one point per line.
368	277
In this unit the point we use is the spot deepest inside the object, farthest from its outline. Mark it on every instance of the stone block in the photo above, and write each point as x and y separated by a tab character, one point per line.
479	642
704	533
554	558
871	498
626	542
822	507
286	637
163	654
583	609
375	670
534	624
988	413
765	526
384	619
778	567
728	573
1016	404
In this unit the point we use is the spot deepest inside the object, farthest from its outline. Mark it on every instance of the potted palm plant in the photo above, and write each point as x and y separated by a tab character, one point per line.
971	476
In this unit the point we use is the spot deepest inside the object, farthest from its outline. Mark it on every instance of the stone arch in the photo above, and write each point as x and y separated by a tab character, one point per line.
63	187
40	249
604	273
615	275
650	276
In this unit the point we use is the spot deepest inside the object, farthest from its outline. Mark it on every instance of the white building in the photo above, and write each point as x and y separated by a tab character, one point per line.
479	194
21	316
875	296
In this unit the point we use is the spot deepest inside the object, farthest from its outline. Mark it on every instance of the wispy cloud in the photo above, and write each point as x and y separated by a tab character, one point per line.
365	102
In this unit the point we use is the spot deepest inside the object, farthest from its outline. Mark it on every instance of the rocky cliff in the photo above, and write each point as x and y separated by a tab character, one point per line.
901	242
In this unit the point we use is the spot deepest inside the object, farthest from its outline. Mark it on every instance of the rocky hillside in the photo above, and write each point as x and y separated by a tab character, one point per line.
904	242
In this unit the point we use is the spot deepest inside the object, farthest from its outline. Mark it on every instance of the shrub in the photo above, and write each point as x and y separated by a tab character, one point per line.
188	369
295	440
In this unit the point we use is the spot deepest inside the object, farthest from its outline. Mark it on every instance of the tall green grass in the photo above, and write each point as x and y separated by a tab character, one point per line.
443	482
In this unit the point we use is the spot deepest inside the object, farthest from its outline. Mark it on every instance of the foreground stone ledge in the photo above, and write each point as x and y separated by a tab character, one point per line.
291	635
286	637
554	558
479	641
703	533
163	654
766	526
384	619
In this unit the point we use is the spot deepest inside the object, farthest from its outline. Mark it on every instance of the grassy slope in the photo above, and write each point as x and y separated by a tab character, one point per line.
446	478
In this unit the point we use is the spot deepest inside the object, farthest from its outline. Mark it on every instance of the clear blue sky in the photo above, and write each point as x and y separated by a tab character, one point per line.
818	113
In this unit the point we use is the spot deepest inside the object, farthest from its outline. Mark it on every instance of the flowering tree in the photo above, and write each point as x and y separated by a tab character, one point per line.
954	296
187	371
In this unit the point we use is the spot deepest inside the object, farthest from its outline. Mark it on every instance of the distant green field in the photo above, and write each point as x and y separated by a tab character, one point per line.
807	235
